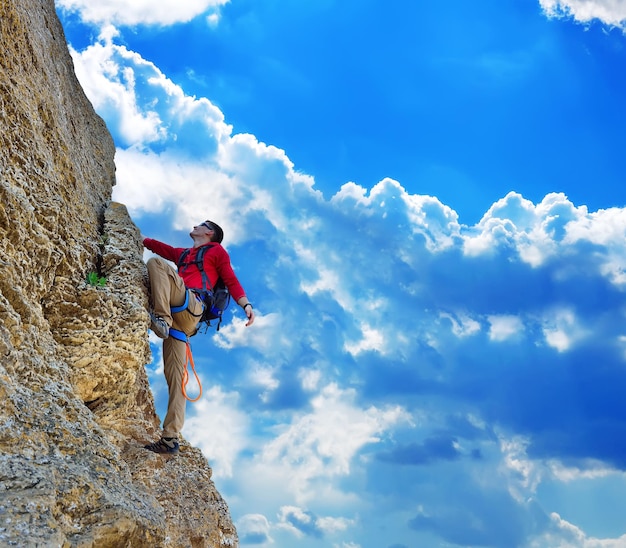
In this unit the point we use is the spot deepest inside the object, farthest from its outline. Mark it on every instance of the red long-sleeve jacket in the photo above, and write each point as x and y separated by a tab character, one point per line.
216	265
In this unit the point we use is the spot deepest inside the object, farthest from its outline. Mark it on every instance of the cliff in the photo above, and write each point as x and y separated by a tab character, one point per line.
75	404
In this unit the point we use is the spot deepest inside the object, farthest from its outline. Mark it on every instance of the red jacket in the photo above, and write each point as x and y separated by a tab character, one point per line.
216	265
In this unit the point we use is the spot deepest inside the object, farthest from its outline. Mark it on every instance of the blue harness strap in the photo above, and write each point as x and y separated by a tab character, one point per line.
178	335
183	306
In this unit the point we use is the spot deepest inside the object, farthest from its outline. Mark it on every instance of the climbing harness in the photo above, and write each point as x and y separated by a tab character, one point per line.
214	302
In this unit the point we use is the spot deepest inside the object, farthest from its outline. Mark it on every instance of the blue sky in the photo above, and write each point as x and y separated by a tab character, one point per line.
425	203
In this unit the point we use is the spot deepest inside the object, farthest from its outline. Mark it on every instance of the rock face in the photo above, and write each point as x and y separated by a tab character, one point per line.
75	404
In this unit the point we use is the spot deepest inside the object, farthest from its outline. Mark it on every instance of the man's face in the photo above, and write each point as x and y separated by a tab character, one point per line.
203	229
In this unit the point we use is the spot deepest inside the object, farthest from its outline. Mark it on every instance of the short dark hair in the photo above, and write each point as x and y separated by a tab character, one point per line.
218	233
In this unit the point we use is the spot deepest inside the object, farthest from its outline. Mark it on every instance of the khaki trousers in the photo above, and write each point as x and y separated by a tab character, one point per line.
167	289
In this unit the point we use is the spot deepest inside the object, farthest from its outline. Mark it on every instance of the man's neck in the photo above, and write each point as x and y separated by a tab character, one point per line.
197	242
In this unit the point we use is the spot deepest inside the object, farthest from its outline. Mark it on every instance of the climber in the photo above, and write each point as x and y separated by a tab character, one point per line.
169	289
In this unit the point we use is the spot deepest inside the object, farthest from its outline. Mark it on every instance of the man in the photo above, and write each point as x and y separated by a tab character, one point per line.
169	289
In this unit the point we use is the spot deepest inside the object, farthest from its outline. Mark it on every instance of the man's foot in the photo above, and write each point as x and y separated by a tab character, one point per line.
159	326
164	445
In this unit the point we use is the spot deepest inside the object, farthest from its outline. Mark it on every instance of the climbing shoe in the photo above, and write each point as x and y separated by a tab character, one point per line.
164	445
159	326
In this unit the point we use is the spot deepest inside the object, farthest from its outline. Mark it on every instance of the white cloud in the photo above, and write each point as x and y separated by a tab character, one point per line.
588	469
611	12
504	327
332	525
184	191
327	279
264	378
562	329
204	167
310	379
323	443
254	529
110	85
142	12
371	339
535	232
294	519
462	324
140	104
523	473
218	427
489	236
300	522
562	534
606	229
423	215
263	336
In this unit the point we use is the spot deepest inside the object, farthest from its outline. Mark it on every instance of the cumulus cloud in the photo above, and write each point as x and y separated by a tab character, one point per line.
218	427
111	87
611	12
299	521
302	523
254	529
563	534
503	327
562	329
323	443
143	12
141	105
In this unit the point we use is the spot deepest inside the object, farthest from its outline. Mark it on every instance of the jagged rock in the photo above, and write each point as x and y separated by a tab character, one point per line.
75	403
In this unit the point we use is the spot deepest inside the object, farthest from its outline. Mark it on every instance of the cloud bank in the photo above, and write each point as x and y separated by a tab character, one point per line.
611	12
143	12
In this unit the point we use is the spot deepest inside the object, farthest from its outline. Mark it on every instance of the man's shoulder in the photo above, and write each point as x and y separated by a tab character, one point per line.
210	245
213	249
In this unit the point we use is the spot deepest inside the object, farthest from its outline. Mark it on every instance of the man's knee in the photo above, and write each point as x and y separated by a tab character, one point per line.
155	261
156	264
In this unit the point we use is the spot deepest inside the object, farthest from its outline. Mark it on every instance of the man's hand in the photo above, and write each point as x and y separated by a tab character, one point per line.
250	314
248	309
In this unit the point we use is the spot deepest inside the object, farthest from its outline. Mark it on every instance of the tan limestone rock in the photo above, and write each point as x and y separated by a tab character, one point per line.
75	404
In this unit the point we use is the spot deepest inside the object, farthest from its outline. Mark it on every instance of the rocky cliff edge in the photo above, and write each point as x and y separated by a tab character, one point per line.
75	404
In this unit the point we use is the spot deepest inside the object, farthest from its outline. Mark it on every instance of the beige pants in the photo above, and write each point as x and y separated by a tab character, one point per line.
167	289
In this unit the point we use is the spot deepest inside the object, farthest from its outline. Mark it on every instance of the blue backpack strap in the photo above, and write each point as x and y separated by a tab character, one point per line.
206	284
181	260
182	264
207	294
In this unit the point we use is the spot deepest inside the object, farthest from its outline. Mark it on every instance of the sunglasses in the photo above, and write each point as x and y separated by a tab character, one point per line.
208	226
